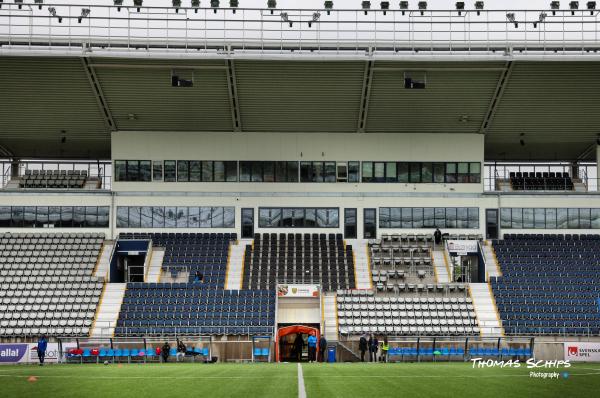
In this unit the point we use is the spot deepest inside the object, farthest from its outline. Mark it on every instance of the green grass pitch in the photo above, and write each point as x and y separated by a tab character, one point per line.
281	380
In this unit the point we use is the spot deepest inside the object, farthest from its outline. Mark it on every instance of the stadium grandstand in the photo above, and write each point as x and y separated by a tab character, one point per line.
228	182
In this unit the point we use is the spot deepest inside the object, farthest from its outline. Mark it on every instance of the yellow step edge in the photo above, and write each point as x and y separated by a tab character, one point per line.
98	309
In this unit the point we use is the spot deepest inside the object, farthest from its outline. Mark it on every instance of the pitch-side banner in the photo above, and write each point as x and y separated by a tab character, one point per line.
583	352
298	291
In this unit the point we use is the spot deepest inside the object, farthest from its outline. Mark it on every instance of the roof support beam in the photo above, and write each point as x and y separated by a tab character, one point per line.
502	83
98	94
5	152
365	97
234	102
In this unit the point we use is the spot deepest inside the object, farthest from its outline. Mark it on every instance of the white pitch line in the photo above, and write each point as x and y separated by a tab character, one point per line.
301	389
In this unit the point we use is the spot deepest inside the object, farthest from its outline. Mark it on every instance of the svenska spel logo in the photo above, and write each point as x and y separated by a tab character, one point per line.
573	351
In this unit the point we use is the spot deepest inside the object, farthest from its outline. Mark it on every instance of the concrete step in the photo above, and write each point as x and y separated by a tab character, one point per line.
153	275
330	322
235	270
485	309
362	264
440	266
108	310
103	267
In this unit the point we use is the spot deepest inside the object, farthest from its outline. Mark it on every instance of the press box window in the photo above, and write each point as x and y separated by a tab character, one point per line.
414	80
182	78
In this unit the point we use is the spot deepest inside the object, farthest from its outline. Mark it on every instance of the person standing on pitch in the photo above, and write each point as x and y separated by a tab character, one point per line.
373	348
180	351
312	347
42	345
322	348
298	345
362	346
385	347
165	351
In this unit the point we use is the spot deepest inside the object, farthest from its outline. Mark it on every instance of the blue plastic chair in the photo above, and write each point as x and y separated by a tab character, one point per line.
257	352
102	352
125	352
265	352
86	352
205	352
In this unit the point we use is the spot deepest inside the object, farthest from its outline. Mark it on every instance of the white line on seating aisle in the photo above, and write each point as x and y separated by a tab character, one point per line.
301	390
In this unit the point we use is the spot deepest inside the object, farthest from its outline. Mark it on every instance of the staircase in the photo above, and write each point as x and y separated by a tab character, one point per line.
491	265
104	262
439	264
155	266
362	265
330	316
108	310
485	309
233	280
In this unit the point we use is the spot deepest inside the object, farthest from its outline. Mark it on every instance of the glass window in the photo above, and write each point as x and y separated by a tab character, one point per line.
428	217
42	216
194	217
17	216
407	217
135	213
395	217
217	217
475	172
334	218
573	215
231	171
595	215
196	171
219	171
229	217
305	172
330	175
122	216
29	217
66	216
379	172
384	217
451	220
417	217
205	217
280	171
585	219
322	218
257	172
415	172
505	218
133	170
473	217
157	170
561	218
463	172
426	172
145	170
517	218
5	216
438	172
245	171
462	217
318	172
353	171
310	218
183	170
451	173
269	171
158	217
120	170
170	217
390	172
528	218
403	172
146	213
286	218
207	171
367	171
551	218
292	171
170	171
79	216
298	218
539	218
103	216
440	217
182	217
53	215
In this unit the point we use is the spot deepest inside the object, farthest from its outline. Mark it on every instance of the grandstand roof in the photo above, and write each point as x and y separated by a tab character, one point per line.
553	104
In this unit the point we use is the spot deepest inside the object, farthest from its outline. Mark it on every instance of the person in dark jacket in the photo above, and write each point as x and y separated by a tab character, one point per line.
42	345
322	348
180	351
362	347
298	345
165	351
437	236
373	348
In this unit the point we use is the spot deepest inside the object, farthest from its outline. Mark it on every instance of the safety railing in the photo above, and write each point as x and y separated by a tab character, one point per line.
221	31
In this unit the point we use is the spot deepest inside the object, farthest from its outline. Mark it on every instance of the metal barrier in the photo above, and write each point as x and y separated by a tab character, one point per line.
354	32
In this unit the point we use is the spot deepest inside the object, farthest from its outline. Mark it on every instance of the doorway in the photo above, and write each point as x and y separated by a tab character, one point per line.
349	223
491	224
370	224
291	342
247	223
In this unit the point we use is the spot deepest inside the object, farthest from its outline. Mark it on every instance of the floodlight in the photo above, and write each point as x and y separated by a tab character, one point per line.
176	4
85	12
511	18
138	4
195	5
460	5
271	4
404	6
554	5
214	4
542	18
329	6
574	5
315	18
366	5
479	7
52	12
591	5
422	6
20	3
385	5
39	3
234	4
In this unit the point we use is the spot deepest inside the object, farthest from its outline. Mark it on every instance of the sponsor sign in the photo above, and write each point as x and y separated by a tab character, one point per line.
52	352
462	247
298	290
582	352
13	353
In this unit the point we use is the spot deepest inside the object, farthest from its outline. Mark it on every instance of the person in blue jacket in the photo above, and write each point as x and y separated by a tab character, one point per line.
312	347
42	345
